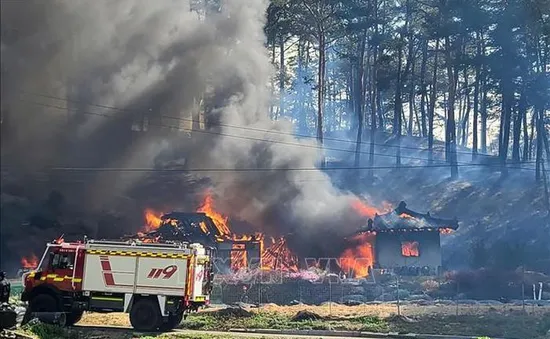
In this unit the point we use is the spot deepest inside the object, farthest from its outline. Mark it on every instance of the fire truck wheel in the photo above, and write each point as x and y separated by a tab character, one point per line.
43	303
173	322
74	317
145	315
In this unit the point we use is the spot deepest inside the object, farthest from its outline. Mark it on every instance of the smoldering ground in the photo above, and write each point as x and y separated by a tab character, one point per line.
78	75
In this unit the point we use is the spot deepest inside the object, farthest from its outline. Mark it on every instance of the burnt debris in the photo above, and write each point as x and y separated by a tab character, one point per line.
181	226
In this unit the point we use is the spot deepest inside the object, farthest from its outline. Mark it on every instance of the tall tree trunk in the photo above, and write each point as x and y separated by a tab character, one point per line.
461	107
282	76
351	93
506	118
273	55
533	127
301	116
521	110
380	110
411	102
484	89
375	94
451	125
538	156
409	68
475	131
366	76
431	112
526	153
360	97
466	117
424	130
398	111
374	101
321	91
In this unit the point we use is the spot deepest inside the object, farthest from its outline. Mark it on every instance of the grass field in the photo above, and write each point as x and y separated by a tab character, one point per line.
501	321
492	321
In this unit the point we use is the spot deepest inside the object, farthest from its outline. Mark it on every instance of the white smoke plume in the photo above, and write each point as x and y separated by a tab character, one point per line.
158	59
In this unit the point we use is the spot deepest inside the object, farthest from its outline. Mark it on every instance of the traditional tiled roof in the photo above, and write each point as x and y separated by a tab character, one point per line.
403	219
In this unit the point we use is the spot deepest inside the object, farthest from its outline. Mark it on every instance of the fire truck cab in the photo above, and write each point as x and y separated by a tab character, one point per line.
157	284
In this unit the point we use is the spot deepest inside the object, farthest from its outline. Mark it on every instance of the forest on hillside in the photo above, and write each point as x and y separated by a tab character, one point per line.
474	73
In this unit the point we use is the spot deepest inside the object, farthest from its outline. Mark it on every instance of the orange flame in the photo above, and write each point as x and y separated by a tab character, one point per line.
406	216
30	262
152	219
219	220
279	257
276	256
410	249
238	257
357	259
368	211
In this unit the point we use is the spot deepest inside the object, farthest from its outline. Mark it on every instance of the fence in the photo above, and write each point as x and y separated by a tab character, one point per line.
453	292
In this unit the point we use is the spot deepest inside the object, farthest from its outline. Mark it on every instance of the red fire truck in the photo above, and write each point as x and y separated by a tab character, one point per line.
157	284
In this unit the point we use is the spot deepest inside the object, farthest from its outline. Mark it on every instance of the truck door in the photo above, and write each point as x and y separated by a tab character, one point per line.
62	266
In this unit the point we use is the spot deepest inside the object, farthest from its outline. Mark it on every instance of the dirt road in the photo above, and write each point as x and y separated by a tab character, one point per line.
122	331
256	335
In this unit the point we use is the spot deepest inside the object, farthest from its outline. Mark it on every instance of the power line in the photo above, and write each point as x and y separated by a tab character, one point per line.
238	127
229	135
256	139
236	170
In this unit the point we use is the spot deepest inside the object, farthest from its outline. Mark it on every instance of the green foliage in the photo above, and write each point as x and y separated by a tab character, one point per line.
372	324
47	331
263	320
491	325
199	322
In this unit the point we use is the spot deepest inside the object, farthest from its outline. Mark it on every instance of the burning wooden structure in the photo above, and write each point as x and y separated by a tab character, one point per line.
405	241
234	252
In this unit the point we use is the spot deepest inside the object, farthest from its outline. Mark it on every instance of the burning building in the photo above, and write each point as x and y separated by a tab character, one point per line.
402	240
399	239
234	251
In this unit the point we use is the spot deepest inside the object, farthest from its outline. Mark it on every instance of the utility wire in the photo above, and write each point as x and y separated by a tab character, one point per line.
252	138
111	116
239	127
174	170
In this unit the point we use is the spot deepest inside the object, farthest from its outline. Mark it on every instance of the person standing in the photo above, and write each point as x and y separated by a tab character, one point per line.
5	288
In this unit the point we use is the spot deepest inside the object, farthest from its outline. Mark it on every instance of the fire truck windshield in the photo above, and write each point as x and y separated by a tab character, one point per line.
63	261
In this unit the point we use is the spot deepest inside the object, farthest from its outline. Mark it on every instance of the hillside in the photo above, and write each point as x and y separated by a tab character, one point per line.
503	221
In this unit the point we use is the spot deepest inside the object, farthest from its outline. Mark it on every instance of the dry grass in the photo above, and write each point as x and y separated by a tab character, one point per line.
104	319
341	311
493	321
385	310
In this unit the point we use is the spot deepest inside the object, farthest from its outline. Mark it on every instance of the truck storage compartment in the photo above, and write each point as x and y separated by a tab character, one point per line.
102	302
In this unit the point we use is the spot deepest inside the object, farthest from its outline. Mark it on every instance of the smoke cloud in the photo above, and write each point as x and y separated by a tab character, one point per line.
79	74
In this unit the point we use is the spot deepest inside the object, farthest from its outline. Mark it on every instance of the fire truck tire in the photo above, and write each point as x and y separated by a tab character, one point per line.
43	303
145	315
173	322
73	317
